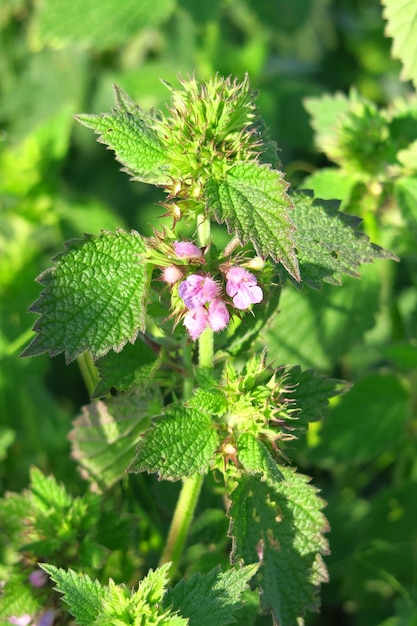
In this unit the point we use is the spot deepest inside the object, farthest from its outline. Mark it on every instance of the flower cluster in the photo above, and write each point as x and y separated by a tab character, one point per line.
202	295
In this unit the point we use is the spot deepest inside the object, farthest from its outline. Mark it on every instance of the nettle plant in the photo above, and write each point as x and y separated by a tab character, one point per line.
169	331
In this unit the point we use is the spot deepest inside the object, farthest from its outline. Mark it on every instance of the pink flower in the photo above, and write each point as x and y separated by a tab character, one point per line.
218	315
242	286
171	274
187	250
196	321
23	620
38	578
197	290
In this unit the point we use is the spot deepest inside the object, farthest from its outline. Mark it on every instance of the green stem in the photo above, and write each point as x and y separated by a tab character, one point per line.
88	371
191	487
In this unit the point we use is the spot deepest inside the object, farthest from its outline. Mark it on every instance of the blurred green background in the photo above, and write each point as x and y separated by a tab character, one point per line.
58	58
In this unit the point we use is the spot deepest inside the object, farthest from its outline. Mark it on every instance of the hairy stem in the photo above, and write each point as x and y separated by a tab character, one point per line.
191	487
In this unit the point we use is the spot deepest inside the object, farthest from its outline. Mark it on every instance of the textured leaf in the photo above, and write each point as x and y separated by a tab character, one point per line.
253	202
134	367
282	528
256	458
105	436
210	401
181	442
376	411
328	242
212	598
310	393
94	297
101	26
401	16
48	494
83	595
135	144
17	598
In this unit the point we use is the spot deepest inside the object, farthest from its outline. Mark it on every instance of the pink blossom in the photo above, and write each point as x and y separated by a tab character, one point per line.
197	290
218	315
187	250
242	286
196	321
171	274
38	578
23	620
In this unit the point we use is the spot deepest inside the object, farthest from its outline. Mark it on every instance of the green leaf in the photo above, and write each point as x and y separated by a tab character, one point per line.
134	367
212	598
104	25
104	437
256	458
94	298
47	493
329	183
328	242
401	16
327	113
83	595
310	393
282	528
135	144
376	411
18	597
181	443
253	202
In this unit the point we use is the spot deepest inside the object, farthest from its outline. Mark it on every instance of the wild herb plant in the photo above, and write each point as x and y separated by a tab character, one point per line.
170	333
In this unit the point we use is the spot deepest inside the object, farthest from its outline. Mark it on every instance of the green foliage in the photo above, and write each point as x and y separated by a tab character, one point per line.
280	525
94	297
181	442
401	17
252	201
328	242
226	418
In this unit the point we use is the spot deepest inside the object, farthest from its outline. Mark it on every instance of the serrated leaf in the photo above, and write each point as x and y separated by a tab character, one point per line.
211	401
135	144
212	598
47	493
17	597
255	458
181	443
94	297
83	595
329	243
401	16
84	22
282	528
253	202
134	367
309	391
104	437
